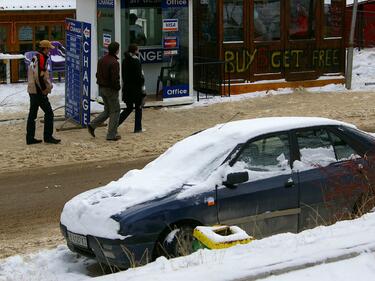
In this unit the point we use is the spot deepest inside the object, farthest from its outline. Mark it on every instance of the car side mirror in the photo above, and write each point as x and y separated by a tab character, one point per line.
236	178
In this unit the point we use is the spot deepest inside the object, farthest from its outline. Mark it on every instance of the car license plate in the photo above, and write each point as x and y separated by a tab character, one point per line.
76	239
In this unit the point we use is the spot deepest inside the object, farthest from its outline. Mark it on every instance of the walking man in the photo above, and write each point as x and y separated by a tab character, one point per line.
108	79
133	91
39	86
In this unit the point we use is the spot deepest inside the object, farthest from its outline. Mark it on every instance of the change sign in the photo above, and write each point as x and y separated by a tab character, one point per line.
77	71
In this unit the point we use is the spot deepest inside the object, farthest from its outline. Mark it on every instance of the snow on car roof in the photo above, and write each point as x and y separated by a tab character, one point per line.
189	160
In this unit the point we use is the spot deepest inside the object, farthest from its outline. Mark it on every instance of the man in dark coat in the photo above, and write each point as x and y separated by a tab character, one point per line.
108	79
133	91
39	86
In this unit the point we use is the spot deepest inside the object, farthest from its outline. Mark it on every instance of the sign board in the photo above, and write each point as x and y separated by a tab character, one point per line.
107	38
77	71
170	42
139	3
176	91
170	25
154	55
105	4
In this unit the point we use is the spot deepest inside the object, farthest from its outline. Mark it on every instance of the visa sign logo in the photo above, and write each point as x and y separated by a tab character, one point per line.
176	91
170	25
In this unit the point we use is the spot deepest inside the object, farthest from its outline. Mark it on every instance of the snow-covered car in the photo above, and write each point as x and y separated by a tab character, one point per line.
266	175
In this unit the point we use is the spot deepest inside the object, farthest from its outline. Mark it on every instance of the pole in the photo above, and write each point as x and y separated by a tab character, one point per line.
349	66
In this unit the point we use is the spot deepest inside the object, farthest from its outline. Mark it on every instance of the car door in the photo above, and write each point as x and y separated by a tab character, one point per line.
327	174
268	202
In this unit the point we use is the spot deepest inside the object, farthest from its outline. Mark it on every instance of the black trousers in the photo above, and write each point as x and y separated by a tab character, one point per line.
130	106
36	101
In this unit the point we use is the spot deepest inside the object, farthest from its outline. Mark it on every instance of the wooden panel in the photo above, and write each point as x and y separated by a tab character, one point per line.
248	88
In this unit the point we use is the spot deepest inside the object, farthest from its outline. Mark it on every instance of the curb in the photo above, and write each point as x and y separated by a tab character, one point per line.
273	270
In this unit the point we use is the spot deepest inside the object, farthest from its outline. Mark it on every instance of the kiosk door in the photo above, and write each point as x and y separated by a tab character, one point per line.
106	25
161	30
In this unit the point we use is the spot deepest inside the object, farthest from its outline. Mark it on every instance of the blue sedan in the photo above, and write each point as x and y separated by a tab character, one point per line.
265	175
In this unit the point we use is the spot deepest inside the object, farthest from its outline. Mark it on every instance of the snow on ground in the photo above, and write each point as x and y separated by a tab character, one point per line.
14	98
352	242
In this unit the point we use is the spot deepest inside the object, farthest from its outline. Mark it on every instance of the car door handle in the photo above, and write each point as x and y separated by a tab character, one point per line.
289	183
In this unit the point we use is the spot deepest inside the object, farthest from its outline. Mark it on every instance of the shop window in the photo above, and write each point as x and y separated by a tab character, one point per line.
302	19
57	33
105	28
22	72
266	20
333	18
3	39
41	32
207	22
144	26
25	33
233	20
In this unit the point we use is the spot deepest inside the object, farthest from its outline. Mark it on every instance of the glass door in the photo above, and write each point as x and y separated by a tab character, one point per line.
267	23
302	39
4	48
106	25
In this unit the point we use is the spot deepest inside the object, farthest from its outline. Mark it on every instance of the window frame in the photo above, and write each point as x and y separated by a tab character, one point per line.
329	129
236	152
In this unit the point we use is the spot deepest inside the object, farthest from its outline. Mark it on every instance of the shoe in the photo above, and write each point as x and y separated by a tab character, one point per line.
139	131
52	140
91	130
116	138
33	141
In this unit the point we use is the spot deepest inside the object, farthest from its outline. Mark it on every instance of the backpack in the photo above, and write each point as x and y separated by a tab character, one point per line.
33	79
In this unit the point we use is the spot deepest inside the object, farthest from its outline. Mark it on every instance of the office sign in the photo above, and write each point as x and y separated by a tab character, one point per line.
174	4
176	91
77	71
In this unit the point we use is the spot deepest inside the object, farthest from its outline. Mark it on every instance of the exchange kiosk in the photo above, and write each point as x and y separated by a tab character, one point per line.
163	31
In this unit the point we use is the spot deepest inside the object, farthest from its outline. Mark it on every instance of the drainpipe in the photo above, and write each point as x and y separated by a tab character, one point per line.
349	64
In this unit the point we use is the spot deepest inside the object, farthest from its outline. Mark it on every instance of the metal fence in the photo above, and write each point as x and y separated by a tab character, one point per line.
2	72
364	36
210	77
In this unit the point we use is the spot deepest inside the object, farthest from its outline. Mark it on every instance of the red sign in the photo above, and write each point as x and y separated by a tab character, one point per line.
170	42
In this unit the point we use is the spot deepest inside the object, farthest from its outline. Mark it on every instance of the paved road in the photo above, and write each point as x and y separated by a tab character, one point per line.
31	200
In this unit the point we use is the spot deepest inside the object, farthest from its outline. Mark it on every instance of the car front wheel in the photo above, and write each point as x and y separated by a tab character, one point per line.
178	242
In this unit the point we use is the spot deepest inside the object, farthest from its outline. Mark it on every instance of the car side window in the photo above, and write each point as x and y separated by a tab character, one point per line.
315	147
342	149
319	147
267	154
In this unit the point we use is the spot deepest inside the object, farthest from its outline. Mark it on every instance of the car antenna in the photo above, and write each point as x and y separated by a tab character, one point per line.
222	125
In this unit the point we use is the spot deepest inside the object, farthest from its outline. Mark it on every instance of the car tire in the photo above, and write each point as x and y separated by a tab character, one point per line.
178	242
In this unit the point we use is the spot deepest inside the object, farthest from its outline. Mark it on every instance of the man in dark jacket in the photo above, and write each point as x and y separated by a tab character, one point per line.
133	91
108	79
39	86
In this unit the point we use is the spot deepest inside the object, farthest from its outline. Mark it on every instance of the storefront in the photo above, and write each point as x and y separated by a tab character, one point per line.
273	40
257	45
24	23
161	29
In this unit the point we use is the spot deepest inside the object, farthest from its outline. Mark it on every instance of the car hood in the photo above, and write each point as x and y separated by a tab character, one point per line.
191	160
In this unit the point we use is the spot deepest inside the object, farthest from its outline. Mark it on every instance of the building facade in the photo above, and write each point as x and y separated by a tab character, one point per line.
24	23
